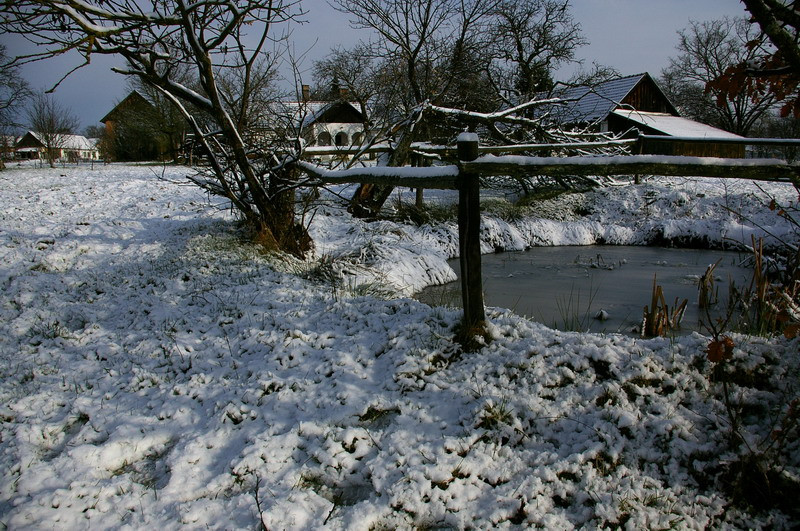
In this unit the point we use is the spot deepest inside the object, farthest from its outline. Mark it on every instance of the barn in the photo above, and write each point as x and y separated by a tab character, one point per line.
636	104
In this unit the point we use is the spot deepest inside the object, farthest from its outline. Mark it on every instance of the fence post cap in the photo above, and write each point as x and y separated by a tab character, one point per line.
467	146
467	137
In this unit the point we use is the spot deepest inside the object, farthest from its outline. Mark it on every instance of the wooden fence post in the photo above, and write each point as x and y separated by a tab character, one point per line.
469	227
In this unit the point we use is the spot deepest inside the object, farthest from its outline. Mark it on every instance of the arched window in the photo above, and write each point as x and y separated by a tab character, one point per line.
324	139
358	138
342	139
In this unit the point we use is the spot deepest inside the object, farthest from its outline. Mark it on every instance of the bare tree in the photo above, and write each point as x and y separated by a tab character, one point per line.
14	92
357	72
158	39
705	51
531	38
418	39
52	123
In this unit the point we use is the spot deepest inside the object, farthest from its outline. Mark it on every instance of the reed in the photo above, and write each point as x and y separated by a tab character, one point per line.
658	319
708	292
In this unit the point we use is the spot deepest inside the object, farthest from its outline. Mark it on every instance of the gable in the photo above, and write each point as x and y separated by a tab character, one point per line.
648	97
30	139
131	102
338	112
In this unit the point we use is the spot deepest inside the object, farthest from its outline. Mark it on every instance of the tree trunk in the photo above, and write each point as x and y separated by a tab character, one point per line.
368	199
290	236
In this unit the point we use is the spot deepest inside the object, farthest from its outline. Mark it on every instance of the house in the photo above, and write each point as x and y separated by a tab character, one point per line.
135	129
329	123
73	148
632	104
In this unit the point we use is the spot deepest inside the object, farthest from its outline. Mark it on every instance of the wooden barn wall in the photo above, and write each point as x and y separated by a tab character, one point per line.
646	97
688	149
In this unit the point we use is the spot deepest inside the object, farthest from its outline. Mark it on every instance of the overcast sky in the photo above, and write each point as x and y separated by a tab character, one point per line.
632	36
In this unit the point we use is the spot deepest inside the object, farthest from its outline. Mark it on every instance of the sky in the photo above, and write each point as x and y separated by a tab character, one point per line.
633	36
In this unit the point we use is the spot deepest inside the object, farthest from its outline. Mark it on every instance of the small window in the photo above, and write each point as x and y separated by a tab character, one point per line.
324	139
358	138
342	139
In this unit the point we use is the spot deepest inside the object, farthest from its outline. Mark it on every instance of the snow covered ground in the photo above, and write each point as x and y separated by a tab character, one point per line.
155	372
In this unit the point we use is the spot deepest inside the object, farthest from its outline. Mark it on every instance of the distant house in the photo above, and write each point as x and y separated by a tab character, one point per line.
632	104
329	123
72	148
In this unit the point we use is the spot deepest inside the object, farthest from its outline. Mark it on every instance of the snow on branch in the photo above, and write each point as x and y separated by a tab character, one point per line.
506	115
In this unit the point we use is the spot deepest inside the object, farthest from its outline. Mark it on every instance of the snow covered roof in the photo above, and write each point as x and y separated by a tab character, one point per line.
673	125
76	142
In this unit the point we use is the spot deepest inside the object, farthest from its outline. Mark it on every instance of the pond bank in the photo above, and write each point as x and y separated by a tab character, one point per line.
567	287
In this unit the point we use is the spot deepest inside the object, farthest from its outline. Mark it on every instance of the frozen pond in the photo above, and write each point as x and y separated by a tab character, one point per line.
565	287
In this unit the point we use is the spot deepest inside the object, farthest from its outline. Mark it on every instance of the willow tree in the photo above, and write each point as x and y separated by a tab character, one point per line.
216	41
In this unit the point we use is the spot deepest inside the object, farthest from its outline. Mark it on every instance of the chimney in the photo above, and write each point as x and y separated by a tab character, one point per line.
306	93
344	94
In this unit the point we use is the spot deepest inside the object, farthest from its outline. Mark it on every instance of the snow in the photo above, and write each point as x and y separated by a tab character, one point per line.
467	137
156	372
675	126
382	171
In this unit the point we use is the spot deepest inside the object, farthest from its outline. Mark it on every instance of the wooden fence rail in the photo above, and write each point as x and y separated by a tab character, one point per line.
422	147
755	169
465	177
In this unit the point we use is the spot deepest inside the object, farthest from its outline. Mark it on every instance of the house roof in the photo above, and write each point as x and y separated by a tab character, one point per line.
76	142
588	104
130	101
673	125
315	111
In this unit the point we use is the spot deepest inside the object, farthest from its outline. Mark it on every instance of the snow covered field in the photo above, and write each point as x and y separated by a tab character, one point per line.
156	373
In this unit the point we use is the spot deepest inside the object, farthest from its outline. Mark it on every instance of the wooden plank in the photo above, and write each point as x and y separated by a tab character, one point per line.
517	148
755	169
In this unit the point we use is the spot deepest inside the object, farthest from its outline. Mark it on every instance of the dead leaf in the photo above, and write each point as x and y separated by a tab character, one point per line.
720	349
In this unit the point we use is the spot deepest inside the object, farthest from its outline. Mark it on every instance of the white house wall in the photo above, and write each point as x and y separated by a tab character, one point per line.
333	129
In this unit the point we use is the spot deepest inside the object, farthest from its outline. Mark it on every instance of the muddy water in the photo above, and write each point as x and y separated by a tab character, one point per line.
566	287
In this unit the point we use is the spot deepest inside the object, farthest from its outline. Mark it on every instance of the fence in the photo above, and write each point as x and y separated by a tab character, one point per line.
465	177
